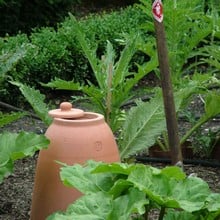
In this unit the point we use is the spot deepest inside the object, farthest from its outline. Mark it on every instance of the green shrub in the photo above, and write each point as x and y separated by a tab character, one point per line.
56	53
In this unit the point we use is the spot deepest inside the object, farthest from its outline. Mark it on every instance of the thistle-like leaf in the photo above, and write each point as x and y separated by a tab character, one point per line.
7	118
142	126
36	100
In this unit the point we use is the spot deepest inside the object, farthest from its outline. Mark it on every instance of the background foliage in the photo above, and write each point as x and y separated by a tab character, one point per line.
23	15
55	53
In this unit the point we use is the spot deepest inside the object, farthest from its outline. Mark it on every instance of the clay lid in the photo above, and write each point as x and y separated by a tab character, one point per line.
66	110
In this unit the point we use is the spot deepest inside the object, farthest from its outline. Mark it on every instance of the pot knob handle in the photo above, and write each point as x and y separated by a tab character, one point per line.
66	110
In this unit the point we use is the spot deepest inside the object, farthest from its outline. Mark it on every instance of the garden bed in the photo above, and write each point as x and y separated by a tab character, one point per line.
16	190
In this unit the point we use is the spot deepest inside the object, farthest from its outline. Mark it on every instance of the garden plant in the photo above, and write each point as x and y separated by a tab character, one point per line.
114	82
116	191
14	146
106	79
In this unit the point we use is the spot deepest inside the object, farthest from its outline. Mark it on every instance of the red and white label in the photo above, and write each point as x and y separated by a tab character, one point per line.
157	9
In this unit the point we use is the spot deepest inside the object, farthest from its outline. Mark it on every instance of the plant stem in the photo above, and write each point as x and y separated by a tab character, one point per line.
194	128
145	215
162	213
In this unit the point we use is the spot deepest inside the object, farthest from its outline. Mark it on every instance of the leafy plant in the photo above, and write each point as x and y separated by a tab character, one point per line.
145	124
116	191
203	144
114	81
8	60
56	52
187	26
14	146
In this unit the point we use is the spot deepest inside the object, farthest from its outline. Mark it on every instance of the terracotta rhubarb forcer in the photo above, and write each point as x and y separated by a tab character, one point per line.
75	137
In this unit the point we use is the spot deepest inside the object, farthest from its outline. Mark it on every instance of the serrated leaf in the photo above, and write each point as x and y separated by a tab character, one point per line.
63	84
143	124
7	118
9	59
36	100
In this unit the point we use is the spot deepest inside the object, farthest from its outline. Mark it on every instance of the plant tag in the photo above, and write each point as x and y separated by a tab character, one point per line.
157	9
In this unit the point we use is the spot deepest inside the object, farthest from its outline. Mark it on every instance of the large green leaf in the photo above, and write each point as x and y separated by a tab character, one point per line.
87	208
132	202
81	178
14	146
143	125
188	194
125	189
179	215
90	53
213	202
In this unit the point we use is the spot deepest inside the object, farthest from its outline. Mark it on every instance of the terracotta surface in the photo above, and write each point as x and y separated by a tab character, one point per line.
75	139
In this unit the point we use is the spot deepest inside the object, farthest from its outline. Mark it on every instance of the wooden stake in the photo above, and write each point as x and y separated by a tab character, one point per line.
169	105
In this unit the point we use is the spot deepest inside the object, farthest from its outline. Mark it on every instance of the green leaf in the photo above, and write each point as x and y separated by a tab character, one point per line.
63	84
7	118
173	172
212	105
119	187
156	187
89	52
26	144
213	202
133	202
118	168
81	178
188	194
36	100
143	124
9	59
122	65
15	146
87	207
179	215
125	189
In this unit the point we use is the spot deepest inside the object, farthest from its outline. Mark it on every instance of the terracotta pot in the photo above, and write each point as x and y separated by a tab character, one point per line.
75	137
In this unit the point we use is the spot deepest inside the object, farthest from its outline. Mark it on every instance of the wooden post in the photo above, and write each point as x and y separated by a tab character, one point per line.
169	105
